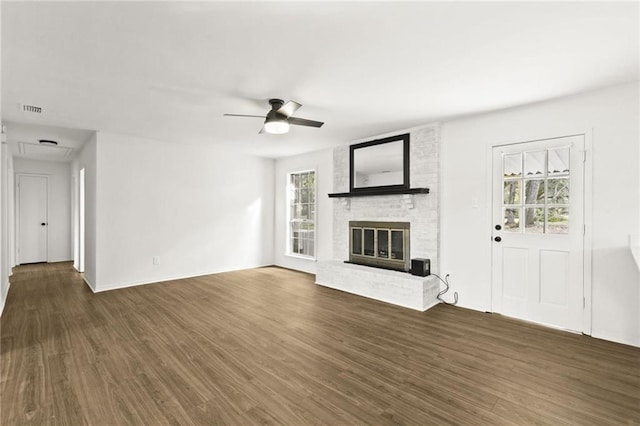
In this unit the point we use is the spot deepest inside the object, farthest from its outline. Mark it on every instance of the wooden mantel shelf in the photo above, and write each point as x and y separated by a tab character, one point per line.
380	191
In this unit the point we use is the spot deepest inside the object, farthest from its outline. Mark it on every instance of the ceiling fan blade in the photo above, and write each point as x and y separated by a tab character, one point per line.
304	122
262	131
244	115
288	109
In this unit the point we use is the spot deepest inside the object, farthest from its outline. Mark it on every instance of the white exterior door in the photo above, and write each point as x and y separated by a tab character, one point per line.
32	218
538	231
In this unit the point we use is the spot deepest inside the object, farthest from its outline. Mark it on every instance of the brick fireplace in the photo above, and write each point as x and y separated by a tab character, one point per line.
419	211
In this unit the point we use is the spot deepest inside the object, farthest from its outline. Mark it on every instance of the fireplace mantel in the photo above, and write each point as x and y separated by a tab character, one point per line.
381	191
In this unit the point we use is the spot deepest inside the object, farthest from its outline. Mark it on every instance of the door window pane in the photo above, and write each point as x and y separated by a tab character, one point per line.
511	221
534	220
558	220
534	163
512	165
511	192
534	191
558	161
558	191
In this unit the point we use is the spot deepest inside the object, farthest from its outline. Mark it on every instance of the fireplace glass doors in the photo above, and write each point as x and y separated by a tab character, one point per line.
379	244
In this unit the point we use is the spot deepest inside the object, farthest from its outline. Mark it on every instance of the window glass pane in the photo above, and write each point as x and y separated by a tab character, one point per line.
534	163
369	249
397	245
383	243
512	165
558	161
356	240
534	191
558	220
511	221
301	199
511	192
534	220
558	191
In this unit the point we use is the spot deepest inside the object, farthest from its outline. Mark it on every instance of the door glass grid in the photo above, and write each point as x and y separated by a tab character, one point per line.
536	191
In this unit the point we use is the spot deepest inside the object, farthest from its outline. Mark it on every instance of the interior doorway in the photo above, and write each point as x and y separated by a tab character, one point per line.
33	223
538	231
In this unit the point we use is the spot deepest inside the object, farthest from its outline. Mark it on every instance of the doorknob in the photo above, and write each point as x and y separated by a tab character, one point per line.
497	239
43	224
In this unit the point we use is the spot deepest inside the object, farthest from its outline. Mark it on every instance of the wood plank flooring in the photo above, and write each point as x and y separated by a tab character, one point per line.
267	346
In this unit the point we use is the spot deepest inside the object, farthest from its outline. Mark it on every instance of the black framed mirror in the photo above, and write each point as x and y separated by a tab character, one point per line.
379	164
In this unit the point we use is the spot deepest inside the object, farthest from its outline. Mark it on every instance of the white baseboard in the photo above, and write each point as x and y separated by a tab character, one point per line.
171	278
89	284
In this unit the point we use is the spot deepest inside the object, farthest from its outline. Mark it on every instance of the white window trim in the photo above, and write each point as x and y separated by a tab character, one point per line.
288	251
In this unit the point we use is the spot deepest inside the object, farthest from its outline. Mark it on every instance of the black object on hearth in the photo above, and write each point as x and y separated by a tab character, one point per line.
420	267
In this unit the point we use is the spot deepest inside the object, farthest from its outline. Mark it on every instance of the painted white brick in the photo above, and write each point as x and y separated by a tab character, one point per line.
422	212
424	216
394	287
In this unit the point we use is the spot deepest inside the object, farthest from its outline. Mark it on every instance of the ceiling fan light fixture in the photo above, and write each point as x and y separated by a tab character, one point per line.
276	126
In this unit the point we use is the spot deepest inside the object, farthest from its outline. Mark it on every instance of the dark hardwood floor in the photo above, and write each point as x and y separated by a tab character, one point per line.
267	346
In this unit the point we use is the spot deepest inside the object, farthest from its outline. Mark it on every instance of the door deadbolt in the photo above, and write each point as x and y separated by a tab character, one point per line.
498	227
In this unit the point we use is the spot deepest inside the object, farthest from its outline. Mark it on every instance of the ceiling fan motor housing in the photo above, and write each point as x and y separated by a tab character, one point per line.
276	103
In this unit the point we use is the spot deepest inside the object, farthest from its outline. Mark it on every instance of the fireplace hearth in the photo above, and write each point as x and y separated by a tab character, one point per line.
380	244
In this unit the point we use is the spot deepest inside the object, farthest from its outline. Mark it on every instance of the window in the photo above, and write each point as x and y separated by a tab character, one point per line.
301	201
536	201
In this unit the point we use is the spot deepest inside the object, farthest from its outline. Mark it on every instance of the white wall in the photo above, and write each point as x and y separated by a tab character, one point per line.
200	210
59	225
7	222
87	159
322	163
611	116
4	275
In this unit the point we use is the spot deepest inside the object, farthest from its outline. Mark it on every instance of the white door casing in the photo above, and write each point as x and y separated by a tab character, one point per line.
537	254
33	222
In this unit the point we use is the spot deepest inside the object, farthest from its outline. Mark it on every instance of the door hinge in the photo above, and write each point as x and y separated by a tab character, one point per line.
584	156
584	302
584	229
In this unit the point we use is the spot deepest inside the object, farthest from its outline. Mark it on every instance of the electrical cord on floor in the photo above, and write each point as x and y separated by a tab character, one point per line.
446	289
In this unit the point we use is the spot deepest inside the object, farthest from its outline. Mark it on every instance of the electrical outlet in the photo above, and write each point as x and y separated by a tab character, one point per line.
156	260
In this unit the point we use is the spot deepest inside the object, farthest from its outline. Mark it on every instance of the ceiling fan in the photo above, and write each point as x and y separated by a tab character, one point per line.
278	120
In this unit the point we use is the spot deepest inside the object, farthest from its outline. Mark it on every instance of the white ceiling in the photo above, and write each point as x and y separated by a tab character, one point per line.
169	70
24	141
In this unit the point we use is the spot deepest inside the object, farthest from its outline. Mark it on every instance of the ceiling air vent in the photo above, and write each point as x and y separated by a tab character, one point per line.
31	108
